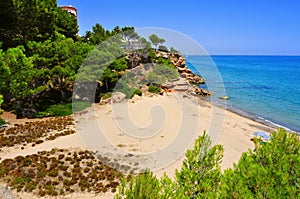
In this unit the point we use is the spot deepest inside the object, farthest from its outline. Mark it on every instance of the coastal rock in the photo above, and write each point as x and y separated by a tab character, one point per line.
177	60
164	54
118	97
181	62
196	80
105	101
200	92
224	97
182	69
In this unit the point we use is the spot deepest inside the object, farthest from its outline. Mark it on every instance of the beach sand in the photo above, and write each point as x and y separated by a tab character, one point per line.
226	128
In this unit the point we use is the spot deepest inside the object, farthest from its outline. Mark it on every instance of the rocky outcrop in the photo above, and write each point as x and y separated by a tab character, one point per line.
196	91
182	85
185	83
180	64
185	73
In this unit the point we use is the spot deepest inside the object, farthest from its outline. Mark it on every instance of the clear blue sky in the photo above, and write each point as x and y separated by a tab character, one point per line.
259	27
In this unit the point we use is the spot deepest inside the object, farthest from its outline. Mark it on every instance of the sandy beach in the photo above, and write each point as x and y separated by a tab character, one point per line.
235	133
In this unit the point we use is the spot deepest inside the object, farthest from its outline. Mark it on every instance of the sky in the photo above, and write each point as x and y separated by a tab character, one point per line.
221	27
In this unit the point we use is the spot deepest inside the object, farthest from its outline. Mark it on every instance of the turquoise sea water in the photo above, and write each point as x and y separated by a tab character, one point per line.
266	88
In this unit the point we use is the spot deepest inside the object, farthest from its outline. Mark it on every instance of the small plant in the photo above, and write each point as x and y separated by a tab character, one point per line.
105	96
136	92
154	89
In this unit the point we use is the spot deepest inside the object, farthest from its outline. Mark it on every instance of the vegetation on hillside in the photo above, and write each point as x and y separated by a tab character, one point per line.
38	66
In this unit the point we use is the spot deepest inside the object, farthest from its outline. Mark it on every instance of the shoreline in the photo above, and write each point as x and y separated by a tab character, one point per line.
260	119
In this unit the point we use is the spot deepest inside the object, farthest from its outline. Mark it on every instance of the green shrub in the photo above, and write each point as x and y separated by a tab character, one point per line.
1	111
2	121
272	170
63	109
154	89
145	185
136	92
163	48
105	95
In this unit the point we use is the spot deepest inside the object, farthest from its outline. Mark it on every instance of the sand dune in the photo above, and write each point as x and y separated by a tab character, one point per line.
229	129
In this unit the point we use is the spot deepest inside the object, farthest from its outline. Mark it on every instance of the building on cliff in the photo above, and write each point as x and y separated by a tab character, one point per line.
71	10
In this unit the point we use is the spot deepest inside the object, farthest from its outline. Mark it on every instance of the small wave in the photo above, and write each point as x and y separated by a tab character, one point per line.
278	125
257	118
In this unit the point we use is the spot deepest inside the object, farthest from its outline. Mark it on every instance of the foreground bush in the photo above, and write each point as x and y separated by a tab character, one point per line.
272	170
199	176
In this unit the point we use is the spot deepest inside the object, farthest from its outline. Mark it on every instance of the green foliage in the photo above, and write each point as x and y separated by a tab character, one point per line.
146	185
271	171
41	75
26	20
154	89
105	95
98	35
198	178
163	48
1	101
137	92
118	65
200	173
152	55
162	71
2	121
173	50
66	24
155	40
1	111
17	73
63	109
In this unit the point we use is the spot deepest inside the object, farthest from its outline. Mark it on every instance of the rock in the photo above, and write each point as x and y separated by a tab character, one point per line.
136	98
118	97
181	69
28	113
181	88
189	71
167	85
224	97
196	80
200	92
105	101
144	89
181	62
165	55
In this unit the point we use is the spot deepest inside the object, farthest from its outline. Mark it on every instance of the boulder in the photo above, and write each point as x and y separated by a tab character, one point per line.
118	97
136	98
196	80
28	113
201	92
105	101
181	69
181	62
224	97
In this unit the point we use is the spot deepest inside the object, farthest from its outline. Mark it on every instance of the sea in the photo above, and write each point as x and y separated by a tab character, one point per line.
264	88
